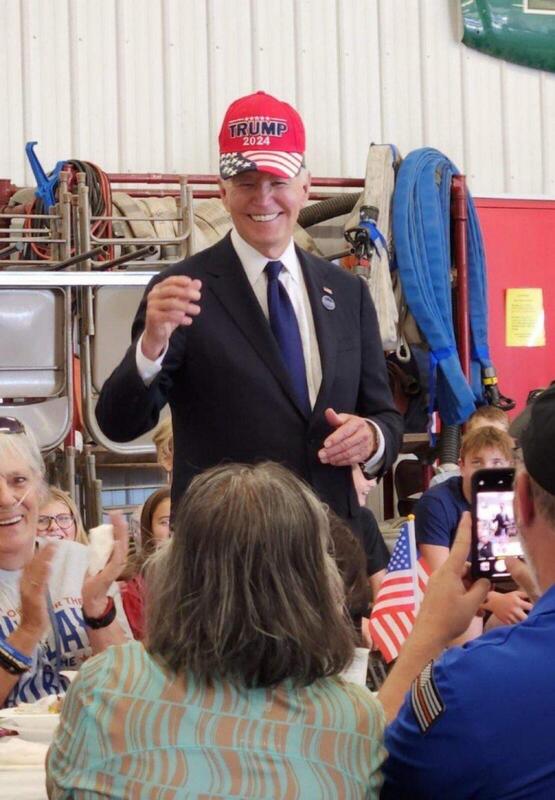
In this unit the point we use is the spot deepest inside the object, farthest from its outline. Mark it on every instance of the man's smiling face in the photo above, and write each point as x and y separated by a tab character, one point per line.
265	208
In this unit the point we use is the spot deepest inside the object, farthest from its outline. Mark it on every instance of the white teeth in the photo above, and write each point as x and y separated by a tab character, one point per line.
11	521
264	217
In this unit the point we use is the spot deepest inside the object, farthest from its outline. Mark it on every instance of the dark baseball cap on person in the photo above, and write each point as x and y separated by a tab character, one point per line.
260	132
538	441
520	422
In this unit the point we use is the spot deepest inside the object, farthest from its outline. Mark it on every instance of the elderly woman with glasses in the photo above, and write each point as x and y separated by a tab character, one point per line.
59	517
53	615
236	692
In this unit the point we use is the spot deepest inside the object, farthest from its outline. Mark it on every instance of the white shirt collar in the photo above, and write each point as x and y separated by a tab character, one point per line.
254	262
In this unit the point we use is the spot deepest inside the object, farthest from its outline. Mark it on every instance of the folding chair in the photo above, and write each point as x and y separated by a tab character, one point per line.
36	369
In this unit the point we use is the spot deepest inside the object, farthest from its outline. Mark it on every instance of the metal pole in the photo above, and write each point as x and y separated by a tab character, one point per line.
69	478
84	217
63	221
185	247
65	215
150	250
460	240
95	251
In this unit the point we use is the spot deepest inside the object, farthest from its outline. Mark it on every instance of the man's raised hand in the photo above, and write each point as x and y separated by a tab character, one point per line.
170	303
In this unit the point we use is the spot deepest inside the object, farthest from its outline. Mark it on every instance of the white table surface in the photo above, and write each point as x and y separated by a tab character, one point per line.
23	783
19	781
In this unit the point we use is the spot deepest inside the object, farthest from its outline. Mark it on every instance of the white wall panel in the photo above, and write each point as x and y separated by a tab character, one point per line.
186	87
274	49
360	101
12	129
46	78
547	121
93	95
318	86
139	74
401	85
230	61
522	129
142	85
484	142
442	109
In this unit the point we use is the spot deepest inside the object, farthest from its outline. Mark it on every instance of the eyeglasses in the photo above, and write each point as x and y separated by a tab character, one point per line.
11	425
63	521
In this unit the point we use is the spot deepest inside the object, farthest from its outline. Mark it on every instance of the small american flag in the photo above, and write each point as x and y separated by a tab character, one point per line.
399	596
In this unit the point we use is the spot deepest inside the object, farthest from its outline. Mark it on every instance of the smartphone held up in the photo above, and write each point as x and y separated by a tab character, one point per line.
494	533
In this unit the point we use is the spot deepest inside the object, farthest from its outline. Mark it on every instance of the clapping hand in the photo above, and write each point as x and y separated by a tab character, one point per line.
95	587
33	589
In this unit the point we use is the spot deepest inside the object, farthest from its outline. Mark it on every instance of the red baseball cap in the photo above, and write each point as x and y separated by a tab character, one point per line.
261	132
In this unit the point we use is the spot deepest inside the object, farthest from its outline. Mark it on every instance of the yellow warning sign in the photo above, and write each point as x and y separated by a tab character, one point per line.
524	318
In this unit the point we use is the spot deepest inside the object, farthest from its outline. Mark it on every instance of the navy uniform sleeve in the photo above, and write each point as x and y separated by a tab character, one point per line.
435	744
433	521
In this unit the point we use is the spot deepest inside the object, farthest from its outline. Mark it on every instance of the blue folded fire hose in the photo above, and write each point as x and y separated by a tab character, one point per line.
421	230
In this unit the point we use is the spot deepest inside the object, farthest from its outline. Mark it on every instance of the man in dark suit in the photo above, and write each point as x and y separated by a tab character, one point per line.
262	350
502	521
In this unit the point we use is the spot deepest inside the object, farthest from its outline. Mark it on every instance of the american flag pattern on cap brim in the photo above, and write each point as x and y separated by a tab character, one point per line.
425	699
274	161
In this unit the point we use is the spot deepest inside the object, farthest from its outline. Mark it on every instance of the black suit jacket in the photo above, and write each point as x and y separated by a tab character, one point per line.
229	391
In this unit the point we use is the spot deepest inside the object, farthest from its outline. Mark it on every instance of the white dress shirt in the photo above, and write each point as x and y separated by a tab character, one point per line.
292	279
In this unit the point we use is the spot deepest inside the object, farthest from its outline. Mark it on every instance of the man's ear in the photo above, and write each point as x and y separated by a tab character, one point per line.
223	193
307	180
524	498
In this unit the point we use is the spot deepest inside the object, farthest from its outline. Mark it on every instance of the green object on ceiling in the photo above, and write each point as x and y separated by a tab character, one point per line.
521	31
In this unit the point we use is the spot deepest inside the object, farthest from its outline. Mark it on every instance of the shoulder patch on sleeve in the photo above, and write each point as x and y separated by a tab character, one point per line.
426	701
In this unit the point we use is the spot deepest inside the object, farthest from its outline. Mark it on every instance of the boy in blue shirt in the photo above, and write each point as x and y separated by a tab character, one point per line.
439	510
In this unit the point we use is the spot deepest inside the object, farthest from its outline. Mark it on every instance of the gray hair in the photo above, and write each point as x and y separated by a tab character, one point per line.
23	446
544	501
247	589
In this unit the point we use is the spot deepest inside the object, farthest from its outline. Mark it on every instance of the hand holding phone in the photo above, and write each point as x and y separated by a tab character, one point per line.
494	533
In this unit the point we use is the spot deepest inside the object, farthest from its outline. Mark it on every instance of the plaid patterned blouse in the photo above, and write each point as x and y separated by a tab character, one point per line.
127	731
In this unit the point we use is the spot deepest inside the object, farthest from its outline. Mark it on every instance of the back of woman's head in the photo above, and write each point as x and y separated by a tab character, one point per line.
247	589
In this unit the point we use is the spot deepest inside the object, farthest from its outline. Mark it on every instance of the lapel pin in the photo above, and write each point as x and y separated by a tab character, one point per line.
328	302
325	288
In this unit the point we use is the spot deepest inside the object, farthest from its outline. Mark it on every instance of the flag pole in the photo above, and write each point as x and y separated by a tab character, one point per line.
413	560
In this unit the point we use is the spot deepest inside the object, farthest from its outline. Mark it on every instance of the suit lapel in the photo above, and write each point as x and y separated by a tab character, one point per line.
319	280
232	288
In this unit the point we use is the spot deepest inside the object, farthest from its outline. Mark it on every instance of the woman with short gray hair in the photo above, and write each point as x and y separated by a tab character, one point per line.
237	692
53	615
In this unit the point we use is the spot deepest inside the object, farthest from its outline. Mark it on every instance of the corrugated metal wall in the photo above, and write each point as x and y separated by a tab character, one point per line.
142	85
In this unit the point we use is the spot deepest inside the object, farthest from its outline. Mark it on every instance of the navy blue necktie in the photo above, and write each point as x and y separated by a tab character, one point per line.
284	325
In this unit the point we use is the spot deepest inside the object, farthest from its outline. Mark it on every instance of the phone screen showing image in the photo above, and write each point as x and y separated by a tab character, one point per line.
493	524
